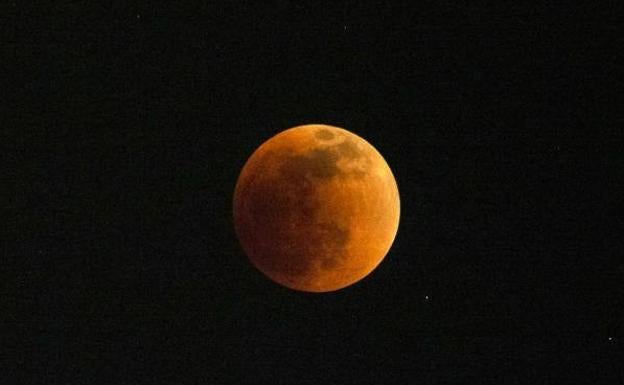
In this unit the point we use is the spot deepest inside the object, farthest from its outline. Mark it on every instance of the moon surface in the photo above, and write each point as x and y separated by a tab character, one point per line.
316	208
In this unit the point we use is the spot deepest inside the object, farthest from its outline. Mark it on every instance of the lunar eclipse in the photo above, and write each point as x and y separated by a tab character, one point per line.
316	208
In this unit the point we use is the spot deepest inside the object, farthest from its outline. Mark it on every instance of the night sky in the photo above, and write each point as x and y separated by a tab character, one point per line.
125	128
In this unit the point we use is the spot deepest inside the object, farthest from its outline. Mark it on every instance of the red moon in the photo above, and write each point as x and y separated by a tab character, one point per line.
316	208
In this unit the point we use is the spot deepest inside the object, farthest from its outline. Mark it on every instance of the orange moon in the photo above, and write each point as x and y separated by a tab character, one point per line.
316	208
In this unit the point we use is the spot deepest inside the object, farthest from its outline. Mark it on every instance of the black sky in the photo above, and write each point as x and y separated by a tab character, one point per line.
126	127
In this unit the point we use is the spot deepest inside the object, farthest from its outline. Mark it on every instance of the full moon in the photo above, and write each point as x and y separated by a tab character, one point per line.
316	208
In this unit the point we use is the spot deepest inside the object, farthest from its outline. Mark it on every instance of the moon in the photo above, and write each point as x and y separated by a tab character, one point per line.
316	208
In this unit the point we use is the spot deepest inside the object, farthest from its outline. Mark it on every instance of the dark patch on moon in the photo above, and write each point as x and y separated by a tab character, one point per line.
348	149
324	134
322	163
337	237
325	245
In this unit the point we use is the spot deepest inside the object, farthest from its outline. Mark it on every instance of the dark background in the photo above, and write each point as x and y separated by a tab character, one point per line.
124	130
